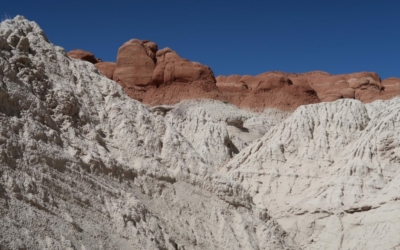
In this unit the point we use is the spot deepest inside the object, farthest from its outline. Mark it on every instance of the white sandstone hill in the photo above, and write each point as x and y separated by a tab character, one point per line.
329	174
83	166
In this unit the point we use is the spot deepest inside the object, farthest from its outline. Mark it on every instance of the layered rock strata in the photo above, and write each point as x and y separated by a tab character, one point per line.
106	68
157	77
363	86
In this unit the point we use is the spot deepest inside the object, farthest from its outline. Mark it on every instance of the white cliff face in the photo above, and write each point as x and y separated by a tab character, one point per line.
82	166
329	174
216	130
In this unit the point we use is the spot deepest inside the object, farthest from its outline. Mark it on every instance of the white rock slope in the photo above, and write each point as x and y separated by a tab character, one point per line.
82	166
217	130
329	174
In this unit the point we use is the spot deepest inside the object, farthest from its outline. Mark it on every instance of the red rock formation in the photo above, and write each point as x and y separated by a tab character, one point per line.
158	77
231	83
106	68
136	62
174	79
82	55
162	77
304	79
392	88
237	81
271	89
171	68
362	86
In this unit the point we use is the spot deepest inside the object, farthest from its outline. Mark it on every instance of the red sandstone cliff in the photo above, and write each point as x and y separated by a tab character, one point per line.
155	77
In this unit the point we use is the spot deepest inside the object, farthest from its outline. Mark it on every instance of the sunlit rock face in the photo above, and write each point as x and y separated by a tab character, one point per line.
106	68
158	77
83	55
363	86
84	166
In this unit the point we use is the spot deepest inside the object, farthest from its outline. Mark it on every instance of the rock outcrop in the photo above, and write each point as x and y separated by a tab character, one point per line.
135	63
159	77
83	55
155	76
329	174
364	86
392	88
83	166
256	84
171	68
106	68
268	90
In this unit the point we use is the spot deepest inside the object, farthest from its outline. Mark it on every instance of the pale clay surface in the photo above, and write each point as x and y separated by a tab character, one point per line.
83	166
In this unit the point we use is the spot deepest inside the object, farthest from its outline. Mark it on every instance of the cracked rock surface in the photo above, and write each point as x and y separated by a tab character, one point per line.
83	166
329	174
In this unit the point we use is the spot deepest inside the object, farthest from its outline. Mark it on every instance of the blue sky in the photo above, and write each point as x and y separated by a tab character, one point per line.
232	37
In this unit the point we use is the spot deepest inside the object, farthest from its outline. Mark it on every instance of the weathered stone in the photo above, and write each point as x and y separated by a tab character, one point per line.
135	63
82	55
106	68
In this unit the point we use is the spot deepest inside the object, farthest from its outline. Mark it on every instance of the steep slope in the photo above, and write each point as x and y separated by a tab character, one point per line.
82	166
217	130
329	173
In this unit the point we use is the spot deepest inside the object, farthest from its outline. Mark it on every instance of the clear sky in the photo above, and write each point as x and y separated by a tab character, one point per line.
232	37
